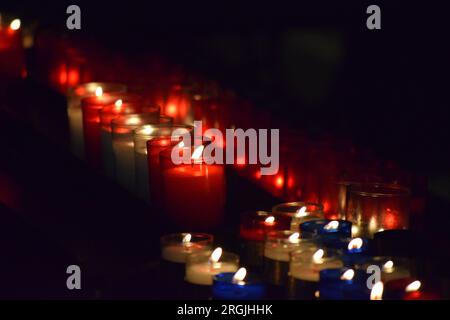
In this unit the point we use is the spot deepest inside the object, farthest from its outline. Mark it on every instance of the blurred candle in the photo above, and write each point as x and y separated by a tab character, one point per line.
326	228
91	108
123	144
299	212
107	114
238	286
140	136
201	267
343	284
277	249
391	268
304	269
74	112
253	229
194	194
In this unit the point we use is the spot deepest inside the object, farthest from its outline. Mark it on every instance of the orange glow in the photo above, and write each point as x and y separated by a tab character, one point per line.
258	174
279	182
73	77
62	76
171	110
290	182
390	219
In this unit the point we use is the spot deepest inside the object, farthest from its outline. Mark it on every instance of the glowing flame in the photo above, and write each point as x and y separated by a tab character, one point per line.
388	266
181	144
294	237
118	103
413	286
355	244
348	275
332	225
270	220
98	91
377	291
147	130
197	153
217	253
318	255
301	212
133	121
187	238
240	275
15	24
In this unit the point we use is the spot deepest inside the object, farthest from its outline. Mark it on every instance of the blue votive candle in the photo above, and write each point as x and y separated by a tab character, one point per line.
343	284
326	228
229	286
353	250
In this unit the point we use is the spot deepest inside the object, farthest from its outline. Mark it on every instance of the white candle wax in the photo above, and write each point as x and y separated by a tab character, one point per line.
141	166
107	153
202	273
124	163
310	271
75	116
178	252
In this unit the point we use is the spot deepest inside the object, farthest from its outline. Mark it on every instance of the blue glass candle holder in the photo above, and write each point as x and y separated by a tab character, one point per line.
343	284
251	288
326	228
353	250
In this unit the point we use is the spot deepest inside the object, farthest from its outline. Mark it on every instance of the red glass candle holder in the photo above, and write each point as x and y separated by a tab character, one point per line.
123	144
193	194
74	112
377	207
91	107
140	136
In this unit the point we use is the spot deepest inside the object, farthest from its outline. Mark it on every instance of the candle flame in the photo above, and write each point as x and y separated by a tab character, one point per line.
187	238
413	286
301	212
98	91
217	253
293	238
377	291
240	275
348	275
318	255
147	130
15	24
133	121
181	144
356	243
332	225
197	153
388	266
118	103
269	220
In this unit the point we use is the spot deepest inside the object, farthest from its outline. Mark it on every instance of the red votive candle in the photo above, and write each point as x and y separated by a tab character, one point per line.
91	107
407	289
253	229
193	194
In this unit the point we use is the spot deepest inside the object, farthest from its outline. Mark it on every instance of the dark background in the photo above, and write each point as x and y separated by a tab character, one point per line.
314	64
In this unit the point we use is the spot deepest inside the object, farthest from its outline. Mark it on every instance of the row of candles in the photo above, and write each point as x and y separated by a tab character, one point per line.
289	255
300	250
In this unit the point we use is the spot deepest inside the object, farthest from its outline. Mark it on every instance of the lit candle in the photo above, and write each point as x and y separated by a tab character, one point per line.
343	284
176	247
353	250
326	228
300	212
91	108
107	114
376	207
74	112
201	267
304	270
408	289
277	249
12	59
194	194
123	144
238	286
253	229
140	136
391	268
